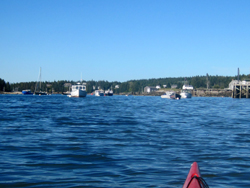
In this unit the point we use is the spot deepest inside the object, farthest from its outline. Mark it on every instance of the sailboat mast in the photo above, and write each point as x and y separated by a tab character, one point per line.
40	78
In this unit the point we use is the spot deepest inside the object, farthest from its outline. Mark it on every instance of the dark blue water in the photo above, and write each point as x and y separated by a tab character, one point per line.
119	141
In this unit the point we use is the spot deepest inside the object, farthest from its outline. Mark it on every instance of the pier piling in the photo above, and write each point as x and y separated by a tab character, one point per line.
241	91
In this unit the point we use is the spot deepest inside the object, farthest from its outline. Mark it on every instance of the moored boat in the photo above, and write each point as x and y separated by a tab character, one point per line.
185	93
194	179
99	93
171	95
108	93
66	93
40	93
40	85
78	90
27	92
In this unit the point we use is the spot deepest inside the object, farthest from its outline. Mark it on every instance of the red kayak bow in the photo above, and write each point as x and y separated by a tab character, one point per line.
194	179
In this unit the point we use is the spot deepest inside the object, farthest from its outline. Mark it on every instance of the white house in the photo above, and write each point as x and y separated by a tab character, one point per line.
164	86
158	87
116	86
190	87
149	89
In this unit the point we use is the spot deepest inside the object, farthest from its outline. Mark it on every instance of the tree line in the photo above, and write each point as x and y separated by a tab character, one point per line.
5	86
198	82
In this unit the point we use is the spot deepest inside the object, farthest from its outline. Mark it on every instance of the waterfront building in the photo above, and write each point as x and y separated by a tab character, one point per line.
149	89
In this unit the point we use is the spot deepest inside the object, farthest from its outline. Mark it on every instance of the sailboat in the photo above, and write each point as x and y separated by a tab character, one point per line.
40	85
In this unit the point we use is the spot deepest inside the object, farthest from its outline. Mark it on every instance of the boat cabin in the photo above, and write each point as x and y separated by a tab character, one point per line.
79	87
189	87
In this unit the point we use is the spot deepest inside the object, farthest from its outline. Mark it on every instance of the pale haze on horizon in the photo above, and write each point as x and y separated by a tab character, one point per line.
122	40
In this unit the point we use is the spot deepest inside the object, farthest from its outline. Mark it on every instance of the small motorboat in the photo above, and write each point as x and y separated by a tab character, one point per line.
40	93
108	93
99	93
27	92
171	95
185	93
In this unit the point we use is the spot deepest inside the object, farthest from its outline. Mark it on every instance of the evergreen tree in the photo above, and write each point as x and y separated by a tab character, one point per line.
129	86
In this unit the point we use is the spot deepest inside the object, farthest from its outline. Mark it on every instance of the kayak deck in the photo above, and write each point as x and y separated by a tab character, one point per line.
194	179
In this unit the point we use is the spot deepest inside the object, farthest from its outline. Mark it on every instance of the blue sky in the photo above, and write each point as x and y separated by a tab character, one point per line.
120	40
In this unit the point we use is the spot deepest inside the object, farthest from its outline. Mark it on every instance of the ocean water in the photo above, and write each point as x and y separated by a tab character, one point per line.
119	141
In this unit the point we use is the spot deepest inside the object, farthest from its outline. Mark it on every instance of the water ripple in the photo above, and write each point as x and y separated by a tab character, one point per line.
122	141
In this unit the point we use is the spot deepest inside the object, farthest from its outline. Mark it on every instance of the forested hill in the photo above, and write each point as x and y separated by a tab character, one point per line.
4	86
128	86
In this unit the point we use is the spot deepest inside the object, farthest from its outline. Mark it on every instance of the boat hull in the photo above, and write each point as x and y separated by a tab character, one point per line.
108	94
99	93
168	96
40	93
171	95
27	92
186	95
79	93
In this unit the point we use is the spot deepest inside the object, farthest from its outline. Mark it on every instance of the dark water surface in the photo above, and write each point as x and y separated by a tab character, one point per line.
119	141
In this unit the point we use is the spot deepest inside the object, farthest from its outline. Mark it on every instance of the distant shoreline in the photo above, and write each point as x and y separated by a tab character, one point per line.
195	93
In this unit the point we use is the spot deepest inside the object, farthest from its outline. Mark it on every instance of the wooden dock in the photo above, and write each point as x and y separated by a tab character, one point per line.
241	91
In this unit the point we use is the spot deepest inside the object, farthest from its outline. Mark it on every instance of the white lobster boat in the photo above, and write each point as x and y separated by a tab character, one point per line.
79	90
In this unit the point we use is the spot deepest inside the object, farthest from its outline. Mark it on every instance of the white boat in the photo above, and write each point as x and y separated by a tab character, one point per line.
99	93
185	93
79	90
171	95
109	92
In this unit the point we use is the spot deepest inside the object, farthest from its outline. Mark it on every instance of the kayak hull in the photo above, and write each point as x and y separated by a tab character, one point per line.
190	181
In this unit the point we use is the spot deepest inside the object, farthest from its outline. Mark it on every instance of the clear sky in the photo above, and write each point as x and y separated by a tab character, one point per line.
120	40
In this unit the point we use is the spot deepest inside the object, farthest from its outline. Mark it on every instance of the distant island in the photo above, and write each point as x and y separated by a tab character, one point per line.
132	86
